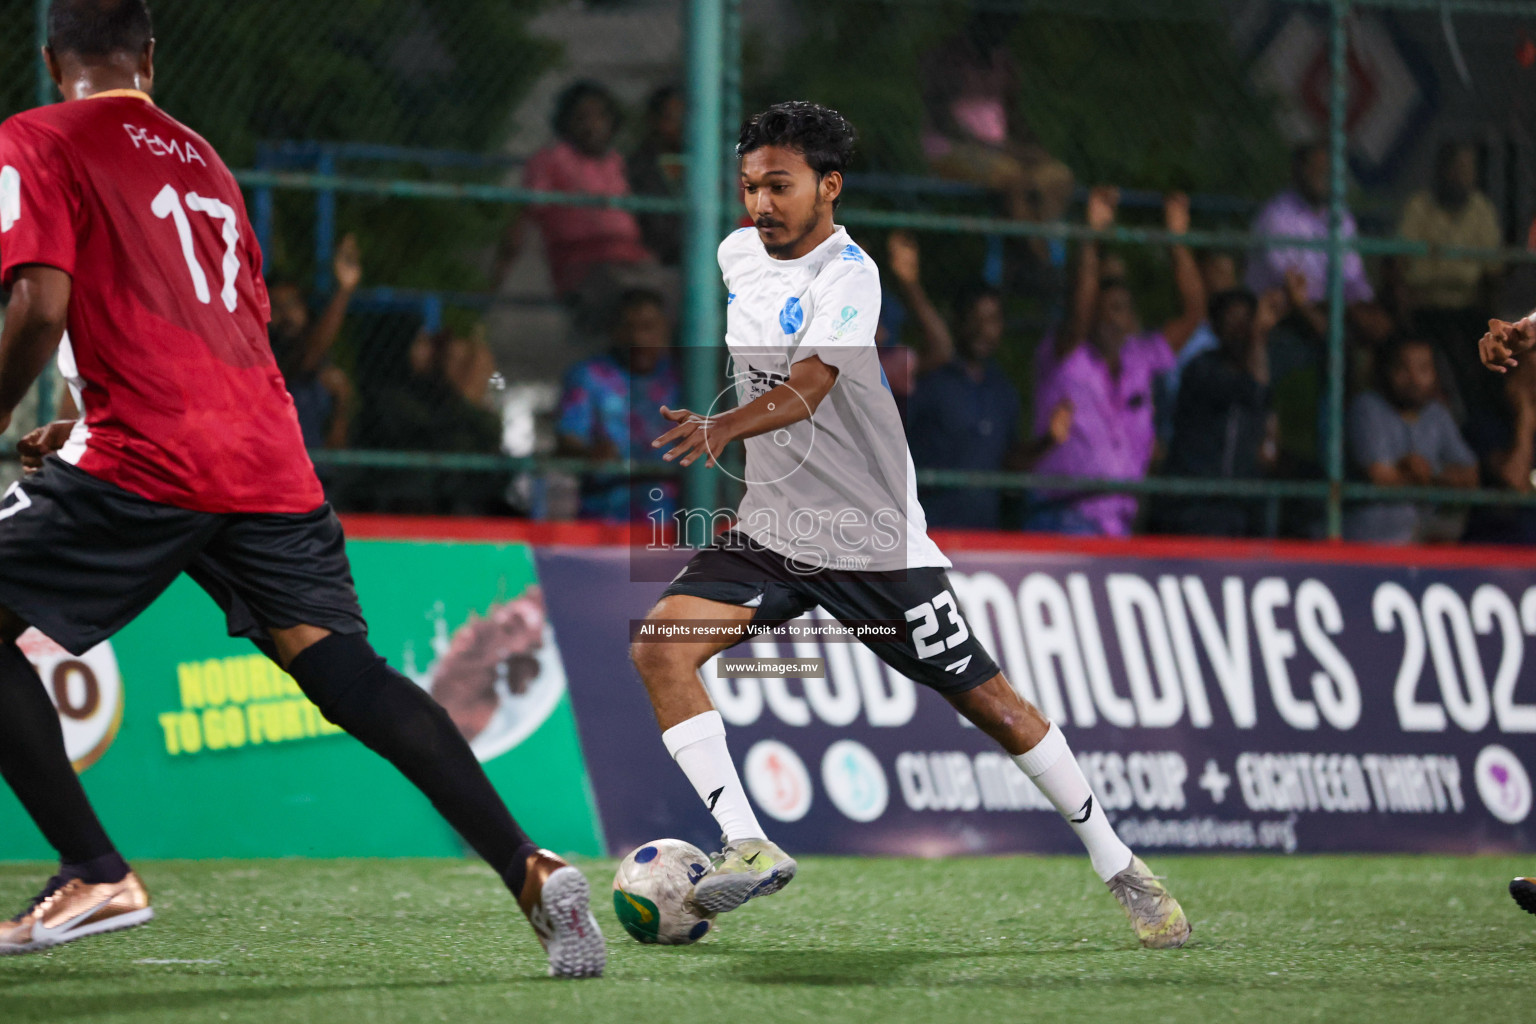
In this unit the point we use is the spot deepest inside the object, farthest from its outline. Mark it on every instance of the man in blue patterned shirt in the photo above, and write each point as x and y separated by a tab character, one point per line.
609	410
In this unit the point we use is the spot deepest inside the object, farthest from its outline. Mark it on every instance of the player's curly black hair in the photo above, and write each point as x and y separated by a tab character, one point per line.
820	134
99	28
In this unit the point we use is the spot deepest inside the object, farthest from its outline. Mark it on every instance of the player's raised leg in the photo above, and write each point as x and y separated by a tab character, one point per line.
356	689
1039	747
94	891
694	733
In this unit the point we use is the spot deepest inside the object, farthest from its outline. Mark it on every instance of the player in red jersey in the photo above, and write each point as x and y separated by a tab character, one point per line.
123	226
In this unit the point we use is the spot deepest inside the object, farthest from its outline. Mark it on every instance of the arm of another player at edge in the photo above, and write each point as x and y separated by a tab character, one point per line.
34	325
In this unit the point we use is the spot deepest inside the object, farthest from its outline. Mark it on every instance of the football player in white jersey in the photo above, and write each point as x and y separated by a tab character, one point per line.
830	518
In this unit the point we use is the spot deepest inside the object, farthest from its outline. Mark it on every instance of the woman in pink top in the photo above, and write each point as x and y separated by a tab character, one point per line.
974	133
581	159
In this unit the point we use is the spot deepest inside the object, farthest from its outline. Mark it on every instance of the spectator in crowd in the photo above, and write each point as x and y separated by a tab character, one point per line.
322	392
964	411
1298	352
1402	435
472	367
1222	425
1449	299
593	253
1218	273
609	409
975	132
1106	375
656	169
1302	212
417	401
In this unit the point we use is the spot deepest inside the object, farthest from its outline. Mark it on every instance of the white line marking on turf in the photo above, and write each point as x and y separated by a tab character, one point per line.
158	962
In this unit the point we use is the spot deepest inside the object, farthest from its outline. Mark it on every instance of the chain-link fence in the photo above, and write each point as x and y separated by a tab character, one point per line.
1390	143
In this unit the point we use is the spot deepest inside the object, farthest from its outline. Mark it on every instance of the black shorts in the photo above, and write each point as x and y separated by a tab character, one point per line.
940	650
80	558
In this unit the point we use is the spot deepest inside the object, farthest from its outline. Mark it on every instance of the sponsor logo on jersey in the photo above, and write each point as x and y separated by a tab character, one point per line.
792	316
757	383
730	297
852	254
156	146
849	315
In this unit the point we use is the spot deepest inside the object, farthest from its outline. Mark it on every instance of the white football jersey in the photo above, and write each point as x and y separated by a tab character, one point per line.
837	490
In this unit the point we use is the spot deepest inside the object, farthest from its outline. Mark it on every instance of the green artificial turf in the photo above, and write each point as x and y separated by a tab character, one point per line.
1007	940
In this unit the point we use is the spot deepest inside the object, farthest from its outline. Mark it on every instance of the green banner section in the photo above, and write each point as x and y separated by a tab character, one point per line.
192	744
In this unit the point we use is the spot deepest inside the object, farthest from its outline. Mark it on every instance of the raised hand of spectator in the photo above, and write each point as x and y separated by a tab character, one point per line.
1102	202
1504	341
902	257
348	264
1296	288
1060	427
1176	213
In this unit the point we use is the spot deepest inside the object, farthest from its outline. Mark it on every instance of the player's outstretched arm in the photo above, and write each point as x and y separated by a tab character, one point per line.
796	399
1504	341
34	324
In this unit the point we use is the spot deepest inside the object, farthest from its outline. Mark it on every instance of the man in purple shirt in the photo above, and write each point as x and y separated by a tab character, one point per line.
1107	377
1302	212
1297	352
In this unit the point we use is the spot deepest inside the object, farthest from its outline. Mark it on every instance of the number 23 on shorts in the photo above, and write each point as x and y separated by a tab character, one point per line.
927	617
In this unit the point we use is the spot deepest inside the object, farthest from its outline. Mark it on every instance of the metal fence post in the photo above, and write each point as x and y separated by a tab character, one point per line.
1338	98
731	114
701	332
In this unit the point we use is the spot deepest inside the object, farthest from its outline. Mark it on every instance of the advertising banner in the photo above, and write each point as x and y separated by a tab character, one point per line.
194	745
1219	704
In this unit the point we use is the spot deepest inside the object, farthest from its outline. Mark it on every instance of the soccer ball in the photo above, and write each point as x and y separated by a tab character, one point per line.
653	893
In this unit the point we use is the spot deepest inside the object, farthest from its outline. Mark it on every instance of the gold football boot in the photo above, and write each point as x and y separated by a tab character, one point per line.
71	909
557	901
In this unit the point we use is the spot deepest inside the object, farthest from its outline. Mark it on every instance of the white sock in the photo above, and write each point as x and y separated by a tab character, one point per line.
1051	766
698	747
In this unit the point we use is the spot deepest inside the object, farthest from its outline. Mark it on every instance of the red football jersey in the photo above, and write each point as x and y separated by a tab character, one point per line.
182	399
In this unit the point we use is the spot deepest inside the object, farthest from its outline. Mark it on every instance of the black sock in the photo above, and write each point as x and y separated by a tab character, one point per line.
392	716
35	765
516	873
109	867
